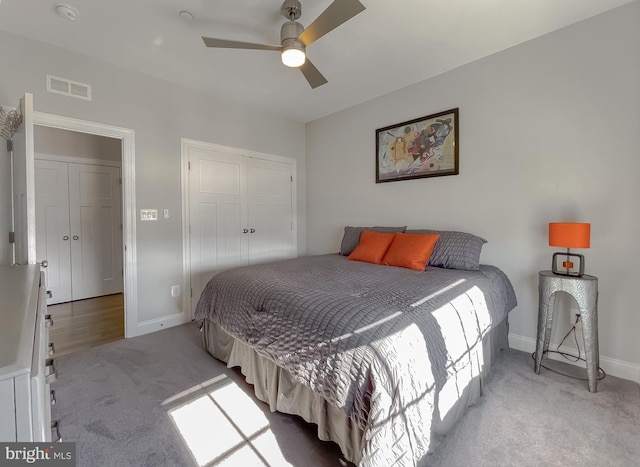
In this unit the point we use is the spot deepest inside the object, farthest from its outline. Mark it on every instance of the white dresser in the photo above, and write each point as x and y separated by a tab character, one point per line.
26	369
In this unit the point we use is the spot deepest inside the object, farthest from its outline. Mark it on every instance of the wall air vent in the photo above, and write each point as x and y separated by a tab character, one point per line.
68	88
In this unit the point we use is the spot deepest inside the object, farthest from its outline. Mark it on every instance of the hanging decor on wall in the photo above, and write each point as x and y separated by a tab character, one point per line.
9	123
424	147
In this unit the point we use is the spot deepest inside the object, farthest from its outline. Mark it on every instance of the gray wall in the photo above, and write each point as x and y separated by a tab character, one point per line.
548	132
75	144
160	113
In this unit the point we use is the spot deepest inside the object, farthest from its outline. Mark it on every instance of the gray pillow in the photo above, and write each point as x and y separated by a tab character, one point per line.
351	236
454	250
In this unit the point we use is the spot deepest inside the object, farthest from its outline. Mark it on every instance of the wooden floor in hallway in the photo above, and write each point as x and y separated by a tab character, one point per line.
86	323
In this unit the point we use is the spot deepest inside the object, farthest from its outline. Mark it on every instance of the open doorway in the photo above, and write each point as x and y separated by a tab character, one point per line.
127	144
78	198
22	204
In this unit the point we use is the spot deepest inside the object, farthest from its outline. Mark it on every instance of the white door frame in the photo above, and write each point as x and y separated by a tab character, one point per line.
27	253
127	136
185	144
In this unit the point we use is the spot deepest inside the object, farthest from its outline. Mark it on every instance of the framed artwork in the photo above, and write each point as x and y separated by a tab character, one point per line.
424	147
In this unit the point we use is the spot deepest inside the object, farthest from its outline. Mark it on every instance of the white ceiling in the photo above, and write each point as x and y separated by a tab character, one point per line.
392	44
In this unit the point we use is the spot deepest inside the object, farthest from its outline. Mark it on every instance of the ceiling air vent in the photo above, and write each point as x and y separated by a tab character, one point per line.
68	88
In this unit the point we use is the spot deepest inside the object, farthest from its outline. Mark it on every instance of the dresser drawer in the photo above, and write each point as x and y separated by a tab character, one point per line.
42	373
25	365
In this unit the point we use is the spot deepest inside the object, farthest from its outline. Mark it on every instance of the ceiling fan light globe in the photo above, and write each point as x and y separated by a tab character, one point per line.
293	57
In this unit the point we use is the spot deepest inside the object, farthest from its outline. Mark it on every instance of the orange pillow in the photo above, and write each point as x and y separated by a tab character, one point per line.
410	250
372	247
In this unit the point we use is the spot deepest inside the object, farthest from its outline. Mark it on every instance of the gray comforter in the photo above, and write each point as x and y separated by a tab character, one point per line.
381	343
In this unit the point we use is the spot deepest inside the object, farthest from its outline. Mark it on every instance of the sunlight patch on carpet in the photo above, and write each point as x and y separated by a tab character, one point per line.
225	426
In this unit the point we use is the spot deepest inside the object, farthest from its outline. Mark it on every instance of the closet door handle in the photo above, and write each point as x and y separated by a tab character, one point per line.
66	237
245	231
252	230
75	237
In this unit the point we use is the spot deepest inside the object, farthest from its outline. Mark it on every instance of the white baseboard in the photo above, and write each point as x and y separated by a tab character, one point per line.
157	324
611	366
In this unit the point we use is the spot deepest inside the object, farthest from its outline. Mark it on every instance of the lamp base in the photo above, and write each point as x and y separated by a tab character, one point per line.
568	267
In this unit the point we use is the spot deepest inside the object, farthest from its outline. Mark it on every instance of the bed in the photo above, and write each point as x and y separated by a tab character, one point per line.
385	360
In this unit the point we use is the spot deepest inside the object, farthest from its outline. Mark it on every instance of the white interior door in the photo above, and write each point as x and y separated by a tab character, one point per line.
96	235
53	241
23	181
270	210
217	213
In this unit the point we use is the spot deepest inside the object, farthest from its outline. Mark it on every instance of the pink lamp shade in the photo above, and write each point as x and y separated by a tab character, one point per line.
569	234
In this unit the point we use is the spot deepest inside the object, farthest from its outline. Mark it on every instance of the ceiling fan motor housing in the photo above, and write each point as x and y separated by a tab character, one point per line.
290	30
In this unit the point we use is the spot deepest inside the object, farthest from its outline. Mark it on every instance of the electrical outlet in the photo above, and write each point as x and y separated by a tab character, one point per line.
175	291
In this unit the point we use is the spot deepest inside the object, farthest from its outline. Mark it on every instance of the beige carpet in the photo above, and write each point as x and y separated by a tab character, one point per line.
161	400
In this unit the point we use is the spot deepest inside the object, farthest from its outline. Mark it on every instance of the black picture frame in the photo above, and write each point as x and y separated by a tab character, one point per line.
419	148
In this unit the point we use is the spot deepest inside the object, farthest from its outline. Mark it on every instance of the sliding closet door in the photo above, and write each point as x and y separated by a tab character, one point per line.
96	230
53	242
241	210
270	186
218	214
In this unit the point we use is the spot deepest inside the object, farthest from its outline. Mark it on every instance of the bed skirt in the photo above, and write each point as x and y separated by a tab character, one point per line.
283	393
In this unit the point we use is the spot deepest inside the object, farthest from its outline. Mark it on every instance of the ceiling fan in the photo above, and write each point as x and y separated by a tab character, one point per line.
295	39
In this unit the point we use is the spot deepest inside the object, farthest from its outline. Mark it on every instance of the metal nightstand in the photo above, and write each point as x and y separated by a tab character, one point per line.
585	291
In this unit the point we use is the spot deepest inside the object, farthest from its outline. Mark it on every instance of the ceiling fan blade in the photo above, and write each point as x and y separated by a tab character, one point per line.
313	76
335	14
226	44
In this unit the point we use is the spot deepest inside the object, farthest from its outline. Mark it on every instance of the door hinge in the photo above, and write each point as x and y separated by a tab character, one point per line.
120	181
189	164
9	145
292	226
190	292
292	178
12	237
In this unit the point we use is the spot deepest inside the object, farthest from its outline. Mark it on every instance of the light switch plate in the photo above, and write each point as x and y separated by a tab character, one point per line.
148	214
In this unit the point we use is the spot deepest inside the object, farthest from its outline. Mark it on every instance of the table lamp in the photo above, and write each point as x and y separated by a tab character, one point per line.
569	235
